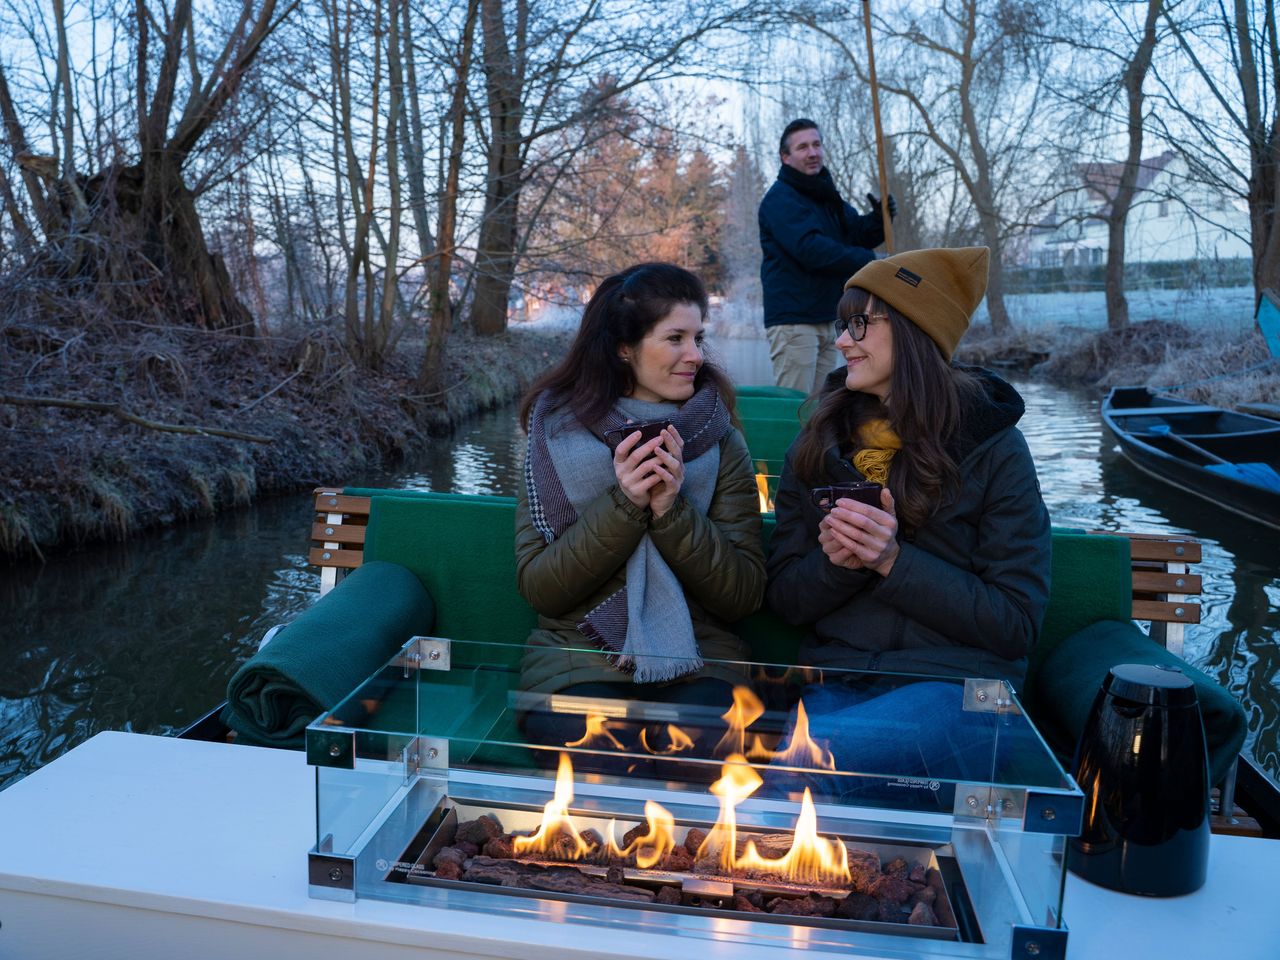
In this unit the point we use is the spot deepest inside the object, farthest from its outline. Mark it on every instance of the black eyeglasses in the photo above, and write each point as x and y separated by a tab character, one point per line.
856	325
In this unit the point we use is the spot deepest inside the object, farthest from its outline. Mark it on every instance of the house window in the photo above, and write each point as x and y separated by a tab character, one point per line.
1164	208
1096	255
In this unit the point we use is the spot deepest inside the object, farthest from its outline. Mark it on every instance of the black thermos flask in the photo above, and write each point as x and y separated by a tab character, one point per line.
1144	769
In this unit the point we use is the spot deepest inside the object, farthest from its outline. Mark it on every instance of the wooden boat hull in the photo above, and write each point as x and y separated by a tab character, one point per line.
1159	434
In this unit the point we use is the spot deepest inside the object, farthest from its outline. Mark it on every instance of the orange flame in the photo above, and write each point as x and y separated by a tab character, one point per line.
597	728
680	742
746	710
557	833
762	491
659	841
737	783
811	859
804	751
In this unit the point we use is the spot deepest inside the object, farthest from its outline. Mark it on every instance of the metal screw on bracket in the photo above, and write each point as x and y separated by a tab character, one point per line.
432	753
971	802
982	696
434	655
1006	804
1033	948
335	750
335	874
1048	813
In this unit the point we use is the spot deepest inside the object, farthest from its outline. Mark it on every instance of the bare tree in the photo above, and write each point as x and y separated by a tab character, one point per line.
134	228
973	85
550	67
1230	135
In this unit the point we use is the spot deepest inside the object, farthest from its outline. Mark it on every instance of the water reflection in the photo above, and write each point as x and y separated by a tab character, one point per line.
143	636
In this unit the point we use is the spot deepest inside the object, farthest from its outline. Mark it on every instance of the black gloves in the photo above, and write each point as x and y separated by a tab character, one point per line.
875	206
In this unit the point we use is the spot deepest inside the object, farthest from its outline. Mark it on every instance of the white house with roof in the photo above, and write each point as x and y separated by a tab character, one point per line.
1173	218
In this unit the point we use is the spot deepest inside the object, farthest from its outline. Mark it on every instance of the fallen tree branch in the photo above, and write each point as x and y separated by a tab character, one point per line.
278	386
114	410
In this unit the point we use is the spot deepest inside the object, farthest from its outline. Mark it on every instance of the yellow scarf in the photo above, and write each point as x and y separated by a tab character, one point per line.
879	443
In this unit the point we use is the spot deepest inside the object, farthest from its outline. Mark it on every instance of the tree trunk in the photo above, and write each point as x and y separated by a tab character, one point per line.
1135	74
495	253
1264	150
982	189
441	313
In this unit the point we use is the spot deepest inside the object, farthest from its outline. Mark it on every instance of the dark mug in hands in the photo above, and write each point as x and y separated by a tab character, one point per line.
864	491
648	430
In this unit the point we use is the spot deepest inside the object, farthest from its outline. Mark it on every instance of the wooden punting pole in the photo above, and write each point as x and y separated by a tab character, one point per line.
875	112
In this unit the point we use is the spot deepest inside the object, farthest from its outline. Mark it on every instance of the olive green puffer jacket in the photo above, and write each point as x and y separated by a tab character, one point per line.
717	557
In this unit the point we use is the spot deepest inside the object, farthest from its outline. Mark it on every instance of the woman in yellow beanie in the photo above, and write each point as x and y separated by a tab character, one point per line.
947	572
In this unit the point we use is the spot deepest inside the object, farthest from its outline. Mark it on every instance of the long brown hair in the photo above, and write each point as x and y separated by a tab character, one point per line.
624	308
922	407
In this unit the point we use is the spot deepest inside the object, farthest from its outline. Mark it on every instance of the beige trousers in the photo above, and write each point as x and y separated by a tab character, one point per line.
803	354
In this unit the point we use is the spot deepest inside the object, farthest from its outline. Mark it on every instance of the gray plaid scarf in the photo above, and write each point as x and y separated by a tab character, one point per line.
645	627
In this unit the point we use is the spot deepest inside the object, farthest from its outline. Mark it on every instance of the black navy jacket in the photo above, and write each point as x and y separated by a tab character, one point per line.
966	595
810	248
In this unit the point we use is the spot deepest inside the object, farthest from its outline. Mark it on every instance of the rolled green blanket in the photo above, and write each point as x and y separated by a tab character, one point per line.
1073	672
325	653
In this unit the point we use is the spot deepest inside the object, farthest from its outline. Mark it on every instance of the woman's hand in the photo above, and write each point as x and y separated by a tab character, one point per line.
668	464
856	535
633	466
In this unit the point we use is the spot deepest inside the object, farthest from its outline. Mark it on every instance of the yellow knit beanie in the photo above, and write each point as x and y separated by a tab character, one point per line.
937	290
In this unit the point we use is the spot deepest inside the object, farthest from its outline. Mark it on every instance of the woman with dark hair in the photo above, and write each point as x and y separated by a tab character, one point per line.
947	572
637	558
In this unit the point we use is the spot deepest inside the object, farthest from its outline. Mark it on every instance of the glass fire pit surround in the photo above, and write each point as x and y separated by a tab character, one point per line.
817	810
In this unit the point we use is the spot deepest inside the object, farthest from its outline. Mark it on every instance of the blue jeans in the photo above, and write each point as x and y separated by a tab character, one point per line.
904	742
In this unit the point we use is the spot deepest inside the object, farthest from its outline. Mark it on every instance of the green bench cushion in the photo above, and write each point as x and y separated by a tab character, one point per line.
769	439
1091	578
771	408
463	554
1071	675
769	390
324	654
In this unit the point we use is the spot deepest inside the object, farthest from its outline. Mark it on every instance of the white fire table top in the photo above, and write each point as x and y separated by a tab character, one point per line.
134	846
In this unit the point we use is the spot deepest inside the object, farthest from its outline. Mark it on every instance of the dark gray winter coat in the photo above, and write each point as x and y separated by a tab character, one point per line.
968	591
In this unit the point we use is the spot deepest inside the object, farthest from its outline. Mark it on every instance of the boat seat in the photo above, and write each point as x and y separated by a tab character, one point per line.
1163	411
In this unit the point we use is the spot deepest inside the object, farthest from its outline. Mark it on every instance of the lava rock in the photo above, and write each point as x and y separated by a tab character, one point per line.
745	905
858	906
500	848
890	912
693	840
634	834
669	896
922	916
467	847
679	860
614	874
448	855
917	873
923	895
479	831
892	889
898	868
864	869
449	871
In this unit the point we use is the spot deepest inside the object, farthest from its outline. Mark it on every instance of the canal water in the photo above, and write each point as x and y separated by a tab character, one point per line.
143	636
